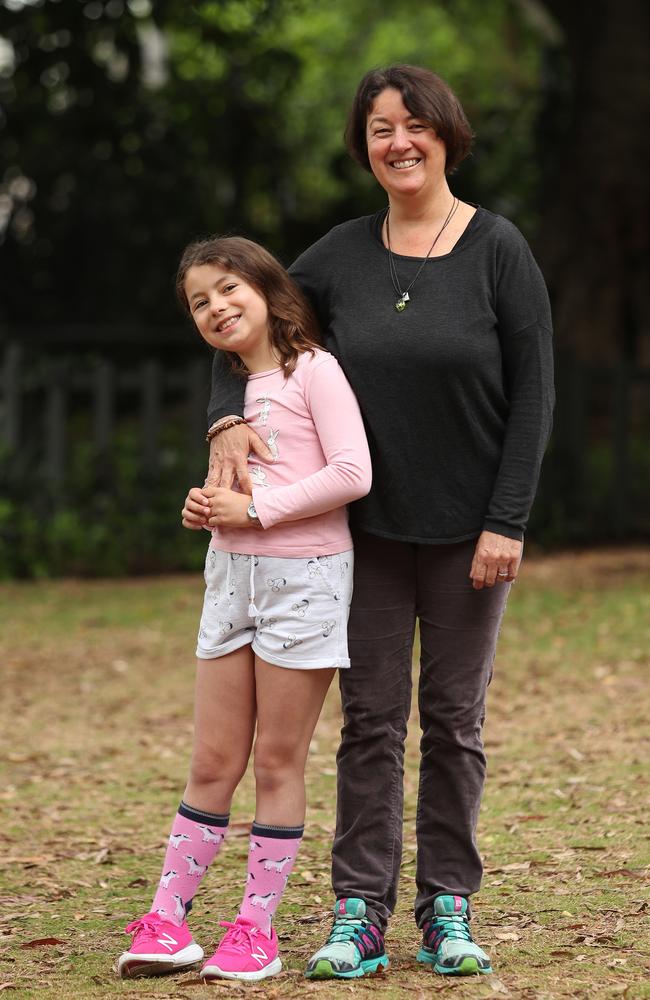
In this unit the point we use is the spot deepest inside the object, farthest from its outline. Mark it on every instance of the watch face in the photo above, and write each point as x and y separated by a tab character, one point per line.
251	510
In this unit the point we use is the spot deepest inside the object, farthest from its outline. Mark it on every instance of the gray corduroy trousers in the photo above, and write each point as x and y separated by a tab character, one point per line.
395	585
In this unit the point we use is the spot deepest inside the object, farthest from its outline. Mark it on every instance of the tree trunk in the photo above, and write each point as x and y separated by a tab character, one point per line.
594	244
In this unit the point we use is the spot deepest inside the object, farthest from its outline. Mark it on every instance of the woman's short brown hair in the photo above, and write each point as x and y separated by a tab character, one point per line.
426	96
292	324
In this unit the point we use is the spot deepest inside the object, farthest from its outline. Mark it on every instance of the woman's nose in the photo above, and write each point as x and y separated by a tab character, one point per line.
401	139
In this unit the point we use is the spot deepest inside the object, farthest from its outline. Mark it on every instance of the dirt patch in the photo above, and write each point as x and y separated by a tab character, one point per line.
94	743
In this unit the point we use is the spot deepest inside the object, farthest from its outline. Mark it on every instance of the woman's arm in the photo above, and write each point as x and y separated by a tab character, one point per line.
229	450
227	391
347	474
525	334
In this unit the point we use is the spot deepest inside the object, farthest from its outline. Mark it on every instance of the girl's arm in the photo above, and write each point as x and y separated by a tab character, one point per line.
347	474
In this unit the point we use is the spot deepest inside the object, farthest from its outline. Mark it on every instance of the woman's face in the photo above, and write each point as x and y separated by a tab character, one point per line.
406	156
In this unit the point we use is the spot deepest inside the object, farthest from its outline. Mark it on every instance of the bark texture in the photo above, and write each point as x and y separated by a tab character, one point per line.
594	243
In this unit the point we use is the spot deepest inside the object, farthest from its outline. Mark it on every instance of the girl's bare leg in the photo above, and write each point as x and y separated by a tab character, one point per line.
224	723
288	706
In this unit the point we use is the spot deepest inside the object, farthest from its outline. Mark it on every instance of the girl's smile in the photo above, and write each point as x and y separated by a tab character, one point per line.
227	324
230	314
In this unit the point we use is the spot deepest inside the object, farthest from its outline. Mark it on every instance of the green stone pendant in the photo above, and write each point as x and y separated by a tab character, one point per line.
400	305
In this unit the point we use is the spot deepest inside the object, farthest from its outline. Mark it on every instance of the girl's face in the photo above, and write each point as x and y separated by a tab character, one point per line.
230	314
406	156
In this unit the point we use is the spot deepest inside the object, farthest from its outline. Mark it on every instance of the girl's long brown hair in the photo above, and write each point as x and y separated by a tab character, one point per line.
292	324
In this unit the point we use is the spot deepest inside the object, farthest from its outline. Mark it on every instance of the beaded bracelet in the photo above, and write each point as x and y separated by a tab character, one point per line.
224	426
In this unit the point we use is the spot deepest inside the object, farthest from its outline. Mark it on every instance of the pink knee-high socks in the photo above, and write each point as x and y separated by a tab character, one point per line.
271	855
194	842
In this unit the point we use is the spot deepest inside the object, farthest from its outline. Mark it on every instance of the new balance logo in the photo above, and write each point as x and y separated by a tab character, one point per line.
167	941
260	955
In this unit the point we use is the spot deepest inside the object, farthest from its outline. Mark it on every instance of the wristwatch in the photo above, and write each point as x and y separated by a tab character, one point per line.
252	513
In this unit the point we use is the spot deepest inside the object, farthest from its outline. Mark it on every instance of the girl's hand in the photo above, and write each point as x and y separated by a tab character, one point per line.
229	509
496	560
229	453
196	509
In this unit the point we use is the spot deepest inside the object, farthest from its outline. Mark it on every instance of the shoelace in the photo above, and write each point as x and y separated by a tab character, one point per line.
142	926
454	926
238	936
344	929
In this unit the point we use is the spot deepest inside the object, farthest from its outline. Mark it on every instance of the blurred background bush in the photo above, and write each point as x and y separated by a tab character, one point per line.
129	128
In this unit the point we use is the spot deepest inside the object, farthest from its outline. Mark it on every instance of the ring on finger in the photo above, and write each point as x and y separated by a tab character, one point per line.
502	573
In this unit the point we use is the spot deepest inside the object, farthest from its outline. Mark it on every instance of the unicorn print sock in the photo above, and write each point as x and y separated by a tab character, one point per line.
272	852
193	844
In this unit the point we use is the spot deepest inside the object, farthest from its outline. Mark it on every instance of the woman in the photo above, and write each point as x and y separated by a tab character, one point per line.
440	319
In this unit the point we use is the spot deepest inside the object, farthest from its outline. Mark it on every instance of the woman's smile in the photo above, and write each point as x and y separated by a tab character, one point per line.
405	154
405	164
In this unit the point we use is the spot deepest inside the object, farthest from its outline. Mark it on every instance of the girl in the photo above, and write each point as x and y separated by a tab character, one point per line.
274	624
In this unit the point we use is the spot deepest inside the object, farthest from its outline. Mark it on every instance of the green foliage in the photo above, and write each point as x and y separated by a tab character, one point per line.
110	521
488	53
128	127
594	502
162	121
119	523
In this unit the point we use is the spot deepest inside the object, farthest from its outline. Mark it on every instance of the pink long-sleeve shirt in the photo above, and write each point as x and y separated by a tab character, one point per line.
312	425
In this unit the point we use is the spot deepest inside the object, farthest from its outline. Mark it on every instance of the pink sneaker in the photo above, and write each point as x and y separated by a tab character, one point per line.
158	947
245	953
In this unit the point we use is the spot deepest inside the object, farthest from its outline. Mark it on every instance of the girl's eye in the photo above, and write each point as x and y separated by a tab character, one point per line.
199	304
229	288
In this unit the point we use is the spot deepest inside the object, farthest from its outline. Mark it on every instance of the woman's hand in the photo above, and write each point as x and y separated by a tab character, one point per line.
229	453
196	509
496	560
229	509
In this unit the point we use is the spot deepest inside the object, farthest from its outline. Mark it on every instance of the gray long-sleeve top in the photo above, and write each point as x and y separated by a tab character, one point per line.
456	391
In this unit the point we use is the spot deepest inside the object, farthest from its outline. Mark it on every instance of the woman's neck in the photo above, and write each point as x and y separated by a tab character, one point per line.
418	210
415	222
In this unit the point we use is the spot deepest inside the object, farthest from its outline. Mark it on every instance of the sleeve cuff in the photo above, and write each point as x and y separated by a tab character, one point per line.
500	528
230	411
259	504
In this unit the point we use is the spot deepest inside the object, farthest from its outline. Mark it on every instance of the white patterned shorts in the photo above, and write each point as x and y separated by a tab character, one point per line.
293	612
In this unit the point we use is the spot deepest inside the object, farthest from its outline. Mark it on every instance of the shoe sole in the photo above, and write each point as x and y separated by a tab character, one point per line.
371	967
468	967
214	972
131	965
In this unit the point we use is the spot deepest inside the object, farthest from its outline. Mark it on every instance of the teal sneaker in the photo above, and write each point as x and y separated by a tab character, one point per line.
447	942
354	948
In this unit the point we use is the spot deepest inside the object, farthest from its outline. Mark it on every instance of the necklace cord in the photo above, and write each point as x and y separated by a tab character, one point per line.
404	295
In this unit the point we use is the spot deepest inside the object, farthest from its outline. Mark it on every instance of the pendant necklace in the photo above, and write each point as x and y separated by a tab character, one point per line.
403	296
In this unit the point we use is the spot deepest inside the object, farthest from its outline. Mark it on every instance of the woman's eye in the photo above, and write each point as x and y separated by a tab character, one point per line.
381	131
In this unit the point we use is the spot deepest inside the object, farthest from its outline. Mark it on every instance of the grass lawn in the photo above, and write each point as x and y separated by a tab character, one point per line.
94	744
